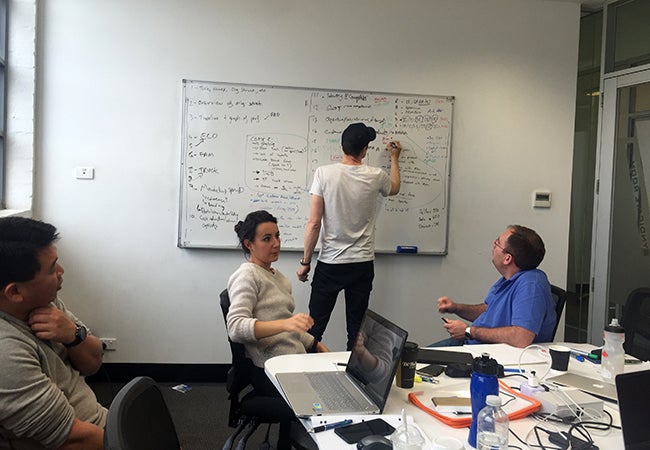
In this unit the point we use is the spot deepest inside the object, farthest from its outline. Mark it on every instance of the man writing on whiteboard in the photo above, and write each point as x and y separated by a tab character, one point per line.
519	308
343	203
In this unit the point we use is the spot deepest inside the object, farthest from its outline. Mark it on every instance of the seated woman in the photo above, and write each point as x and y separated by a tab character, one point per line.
261	305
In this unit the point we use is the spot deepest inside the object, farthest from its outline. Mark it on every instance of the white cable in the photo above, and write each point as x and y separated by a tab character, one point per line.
521	355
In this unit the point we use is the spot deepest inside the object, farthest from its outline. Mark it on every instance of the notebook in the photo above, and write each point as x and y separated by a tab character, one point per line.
633	400
445	357
364	385
592	386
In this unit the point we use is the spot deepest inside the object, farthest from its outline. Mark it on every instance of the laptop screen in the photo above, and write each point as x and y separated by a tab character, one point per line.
633	401
375	356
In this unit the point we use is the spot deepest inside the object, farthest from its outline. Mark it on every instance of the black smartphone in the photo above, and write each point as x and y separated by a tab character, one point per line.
432	370
357	431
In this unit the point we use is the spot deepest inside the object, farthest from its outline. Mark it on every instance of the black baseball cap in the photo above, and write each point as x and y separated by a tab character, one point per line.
356	136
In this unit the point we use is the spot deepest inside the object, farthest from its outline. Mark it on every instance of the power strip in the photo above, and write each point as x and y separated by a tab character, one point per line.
570	403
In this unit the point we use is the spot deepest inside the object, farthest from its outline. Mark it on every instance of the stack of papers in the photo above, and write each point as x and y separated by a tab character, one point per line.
452	404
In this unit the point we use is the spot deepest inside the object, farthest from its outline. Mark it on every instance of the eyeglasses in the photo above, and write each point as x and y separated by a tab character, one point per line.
503	249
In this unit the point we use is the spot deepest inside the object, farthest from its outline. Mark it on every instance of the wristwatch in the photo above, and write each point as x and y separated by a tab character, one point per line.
468	332
79	336
302	263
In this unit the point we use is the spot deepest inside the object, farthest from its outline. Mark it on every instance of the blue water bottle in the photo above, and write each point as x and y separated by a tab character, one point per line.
484	382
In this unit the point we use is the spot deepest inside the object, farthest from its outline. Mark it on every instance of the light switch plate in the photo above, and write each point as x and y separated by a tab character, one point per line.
84	173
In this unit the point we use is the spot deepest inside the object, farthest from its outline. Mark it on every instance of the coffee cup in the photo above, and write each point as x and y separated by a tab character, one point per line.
407	438
559	357
406	367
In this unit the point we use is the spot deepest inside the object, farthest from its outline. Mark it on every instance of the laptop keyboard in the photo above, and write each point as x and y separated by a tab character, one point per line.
333	394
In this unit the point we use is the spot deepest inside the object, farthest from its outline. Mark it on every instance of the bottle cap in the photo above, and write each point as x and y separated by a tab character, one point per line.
614	327
485	365
493	400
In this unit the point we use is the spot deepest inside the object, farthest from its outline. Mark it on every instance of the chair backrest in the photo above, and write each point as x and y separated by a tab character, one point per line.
239	358
239	375
636	321
559	295
138	419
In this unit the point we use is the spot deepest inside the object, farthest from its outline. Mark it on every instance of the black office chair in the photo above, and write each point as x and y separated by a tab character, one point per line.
636	321
138	419
559	295
248	409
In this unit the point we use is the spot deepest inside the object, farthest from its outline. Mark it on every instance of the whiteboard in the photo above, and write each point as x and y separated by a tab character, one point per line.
248	147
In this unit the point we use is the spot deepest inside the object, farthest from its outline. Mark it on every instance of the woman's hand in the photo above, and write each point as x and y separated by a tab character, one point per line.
299	323
320	348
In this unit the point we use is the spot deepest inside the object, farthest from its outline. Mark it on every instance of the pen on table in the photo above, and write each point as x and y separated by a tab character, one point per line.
513	370
341	364
331	426
582	356
420	378
592	358
579	352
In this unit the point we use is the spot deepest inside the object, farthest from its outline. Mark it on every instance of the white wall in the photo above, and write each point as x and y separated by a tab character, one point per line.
109	97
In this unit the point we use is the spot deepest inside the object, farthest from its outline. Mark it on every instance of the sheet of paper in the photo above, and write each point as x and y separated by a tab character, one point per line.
510	402
507	355
329	439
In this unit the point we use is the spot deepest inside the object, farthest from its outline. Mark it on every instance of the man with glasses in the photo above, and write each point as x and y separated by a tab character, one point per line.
519	308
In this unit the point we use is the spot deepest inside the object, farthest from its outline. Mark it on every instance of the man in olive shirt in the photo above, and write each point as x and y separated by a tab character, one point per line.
44	349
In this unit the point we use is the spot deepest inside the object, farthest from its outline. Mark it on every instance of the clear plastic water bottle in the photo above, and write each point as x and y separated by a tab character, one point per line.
484	382
613	357
493	426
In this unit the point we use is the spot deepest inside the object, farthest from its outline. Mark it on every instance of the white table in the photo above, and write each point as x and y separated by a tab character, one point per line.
432	427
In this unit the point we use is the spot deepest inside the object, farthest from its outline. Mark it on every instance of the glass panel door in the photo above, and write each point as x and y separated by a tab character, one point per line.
621	247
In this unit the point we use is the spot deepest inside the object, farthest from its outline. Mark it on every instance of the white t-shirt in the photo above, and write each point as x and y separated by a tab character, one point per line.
350	195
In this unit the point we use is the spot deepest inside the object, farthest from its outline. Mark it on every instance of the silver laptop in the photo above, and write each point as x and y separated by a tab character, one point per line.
364	385
633	400
599	388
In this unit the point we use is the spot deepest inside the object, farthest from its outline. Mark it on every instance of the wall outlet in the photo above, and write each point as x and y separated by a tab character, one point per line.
109	344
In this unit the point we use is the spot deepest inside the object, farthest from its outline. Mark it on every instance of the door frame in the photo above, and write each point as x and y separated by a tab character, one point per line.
601	242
